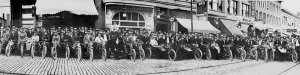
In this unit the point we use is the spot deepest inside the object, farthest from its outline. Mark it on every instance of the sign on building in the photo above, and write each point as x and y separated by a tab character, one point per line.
252	9
201	7
291	30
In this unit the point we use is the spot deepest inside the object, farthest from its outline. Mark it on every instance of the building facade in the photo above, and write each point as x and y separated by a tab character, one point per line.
268	11
290	22
153	15
156	14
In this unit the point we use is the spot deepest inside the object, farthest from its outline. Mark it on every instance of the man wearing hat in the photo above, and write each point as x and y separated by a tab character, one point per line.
67	39
88	39
56	39
22	37
2	32
6	37
35	39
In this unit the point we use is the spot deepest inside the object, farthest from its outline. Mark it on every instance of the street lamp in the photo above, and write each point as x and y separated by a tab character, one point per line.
124	14
158	16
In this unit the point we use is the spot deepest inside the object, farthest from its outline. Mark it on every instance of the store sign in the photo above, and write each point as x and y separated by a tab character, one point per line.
291	30
246	21
242	19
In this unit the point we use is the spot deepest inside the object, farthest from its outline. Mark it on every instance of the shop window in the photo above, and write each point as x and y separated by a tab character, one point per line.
116	17
130	19
128	24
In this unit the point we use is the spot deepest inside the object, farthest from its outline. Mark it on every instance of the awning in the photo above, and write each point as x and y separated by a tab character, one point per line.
286	33
199	26
148	3
233	28
79	7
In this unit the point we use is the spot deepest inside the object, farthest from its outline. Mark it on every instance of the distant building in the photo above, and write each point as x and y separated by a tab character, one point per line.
268	11
290	21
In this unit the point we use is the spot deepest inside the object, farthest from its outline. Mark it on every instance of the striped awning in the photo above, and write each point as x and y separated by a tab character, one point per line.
79	7
198	25
233	28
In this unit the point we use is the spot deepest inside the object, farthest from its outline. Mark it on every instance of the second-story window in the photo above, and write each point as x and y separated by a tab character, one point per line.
228	7
215	4
246	10
220	5
235	7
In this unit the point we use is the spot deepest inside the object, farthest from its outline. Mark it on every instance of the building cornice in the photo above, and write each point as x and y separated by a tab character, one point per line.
289	13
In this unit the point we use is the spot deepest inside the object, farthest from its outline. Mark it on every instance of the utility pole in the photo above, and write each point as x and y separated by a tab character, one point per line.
192	26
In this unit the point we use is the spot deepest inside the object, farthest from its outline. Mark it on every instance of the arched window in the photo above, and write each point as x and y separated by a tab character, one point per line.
129	20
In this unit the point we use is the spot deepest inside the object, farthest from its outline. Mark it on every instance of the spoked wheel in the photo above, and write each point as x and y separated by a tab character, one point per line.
243	55
208	54
54	53
0	48
44	52
133	54
67	53
22	51
172	55
148	53
32	51
91	50
256	55
8	50
142	54
103	54
266	55
79	54
294	56
230	55
198	54
272	55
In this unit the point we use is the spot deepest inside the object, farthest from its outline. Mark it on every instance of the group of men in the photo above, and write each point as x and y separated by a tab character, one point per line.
58	36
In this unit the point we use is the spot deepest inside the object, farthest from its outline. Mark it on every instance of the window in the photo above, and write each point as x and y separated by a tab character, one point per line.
256	14
228	6
243	9
247	10
215	4
259	3
268	5
231	6
264	4
220	5
235	3
131	19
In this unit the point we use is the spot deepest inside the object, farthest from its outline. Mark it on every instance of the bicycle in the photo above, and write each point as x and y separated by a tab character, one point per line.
54	51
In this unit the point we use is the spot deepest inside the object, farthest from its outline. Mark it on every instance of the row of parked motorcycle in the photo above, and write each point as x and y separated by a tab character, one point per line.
173	51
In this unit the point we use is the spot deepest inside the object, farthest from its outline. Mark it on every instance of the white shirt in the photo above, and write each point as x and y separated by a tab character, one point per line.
153	42
98	39
104	37
35	38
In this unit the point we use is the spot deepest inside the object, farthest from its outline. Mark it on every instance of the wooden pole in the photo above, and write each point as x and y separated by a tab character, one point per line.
192	26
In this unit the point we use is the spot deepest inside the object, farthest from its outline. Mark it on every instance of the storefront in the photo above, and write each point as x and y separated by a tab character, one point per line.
128	16
152	15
